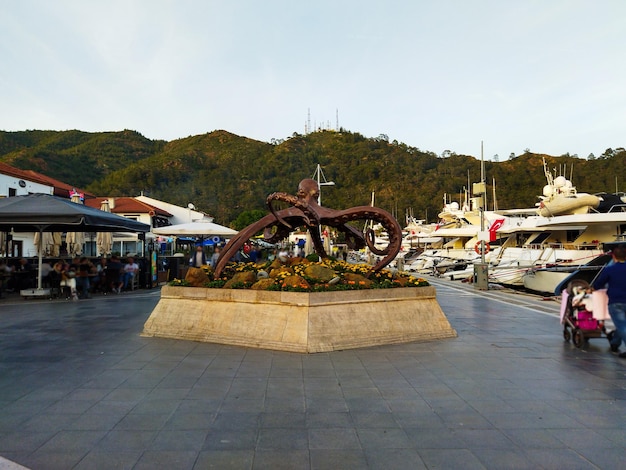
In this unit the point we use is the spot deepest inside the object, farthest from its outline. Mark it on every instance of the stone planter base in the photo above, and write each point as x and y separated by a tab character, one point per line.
299	321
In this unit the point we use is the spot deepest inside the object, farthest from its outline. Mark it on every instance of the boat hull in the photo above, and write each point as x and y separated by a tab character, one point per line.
544	281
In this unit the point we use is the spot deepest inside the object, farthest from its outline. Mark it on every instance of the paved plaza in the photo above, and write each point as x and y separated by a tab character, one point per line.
81	389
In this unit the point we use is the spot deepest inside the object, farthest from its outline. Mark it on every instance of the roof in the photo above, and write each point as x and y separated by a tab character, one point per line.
60	188
126	205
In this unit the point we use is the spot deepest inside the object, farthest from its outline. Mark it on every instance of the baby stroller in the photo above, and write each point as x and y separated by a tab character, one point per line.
579	322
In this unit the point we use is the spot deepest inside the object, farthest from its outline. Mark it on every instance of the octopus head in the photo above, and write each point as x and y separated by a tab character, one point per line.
308	189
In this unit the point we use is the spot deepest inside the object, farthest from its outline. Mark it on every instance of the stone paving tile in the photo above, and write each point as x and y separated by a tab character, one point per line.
180	460
503	458
79	388
189	420
24	441
229	439
90	421
558	459
283	438
394	459
451	459
337	458
236	420
333	438
175	440
328	405
98	459
383	438
425	437
286	460
280	420
54	460
226	460
368	419
125	440
328	419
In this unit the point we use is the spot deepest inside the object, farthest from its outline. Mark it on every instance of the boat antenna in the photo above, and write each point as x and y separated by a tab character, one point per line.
547	173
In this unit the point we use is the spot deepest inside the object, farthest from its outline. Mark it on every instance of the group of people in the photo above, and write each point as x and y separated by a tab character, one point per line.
80	275
17	276
199	258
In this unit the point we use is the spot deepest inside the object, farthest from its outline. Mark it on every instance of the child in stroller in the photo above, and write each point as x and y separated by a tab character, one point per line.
577	315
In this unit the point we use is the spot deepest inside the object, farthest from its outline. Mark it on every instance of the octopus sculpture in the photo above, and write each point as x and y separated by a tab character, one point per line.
304	211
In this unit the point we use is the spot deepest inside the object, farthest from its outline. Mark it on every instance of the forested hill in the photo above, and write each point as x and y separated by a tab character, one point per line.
224	174
75	157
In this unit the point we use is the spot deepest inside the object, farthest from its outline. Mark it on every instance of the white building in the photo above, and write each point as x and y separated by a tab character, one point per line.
179	215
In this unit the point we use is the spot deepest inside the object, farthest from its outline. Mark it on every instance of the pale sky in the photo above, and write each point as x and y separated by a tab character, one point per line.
547	75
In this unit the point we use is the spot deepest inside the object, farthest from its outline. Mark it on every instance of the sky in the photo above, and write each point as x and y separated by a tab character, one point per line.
544	75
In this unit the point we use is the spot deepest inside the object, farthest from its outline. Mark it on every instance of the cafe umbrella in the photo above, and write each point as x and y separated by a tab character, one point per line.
104	240
47	213
199	229
75	240
44	241
196	229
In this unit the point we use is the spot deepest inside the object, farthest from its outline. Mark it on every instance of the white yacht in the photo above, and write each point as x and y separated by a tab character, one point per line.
567	230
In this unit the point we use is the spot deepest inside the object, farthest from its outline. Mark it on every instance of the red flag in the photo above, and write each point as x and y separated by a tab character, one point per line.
494	227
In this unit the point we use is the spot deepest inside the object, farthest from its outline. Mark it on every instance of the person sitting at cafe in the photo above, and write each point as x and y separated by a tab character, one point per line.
130	271
83	283
24	275
114	274
98	280
68	277
45	273
5	275
23	265
54	276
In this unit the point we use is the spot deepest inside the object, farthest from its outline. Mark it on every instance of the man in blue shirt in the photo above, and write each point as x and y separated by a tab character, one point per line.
614	275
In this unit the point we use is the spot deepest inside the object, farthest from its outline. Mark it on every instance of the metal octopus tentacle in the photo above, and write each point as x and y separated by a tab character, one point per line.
389	223
235	243
294	201
305	211
318	245
288	198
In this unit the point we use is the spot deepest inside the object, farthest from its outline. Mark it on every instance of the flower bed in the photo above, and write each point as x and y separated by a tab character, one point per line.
300	275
